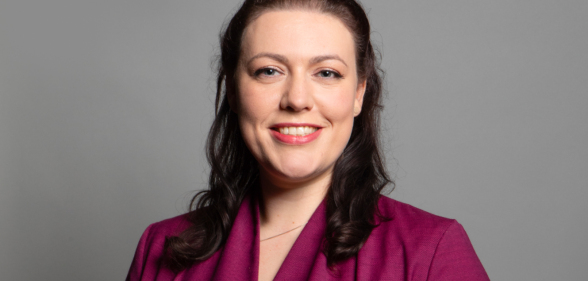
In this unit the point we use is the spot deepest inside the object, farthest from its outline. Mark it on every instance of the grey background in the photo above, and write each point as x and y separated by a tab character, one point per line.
105	105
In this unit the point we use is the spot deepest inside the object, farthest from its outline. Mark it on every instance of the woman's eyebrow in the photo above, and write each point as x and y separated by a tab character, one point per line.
277	57
326	57
284	60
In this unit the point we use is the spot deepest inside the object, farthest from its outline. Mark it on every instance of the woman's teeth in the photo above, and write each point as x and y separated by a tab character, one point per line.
297	131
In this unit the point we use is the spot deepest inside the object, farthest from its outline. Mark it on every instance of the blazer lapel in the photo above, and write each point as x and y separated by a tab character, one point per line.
301	258
239	260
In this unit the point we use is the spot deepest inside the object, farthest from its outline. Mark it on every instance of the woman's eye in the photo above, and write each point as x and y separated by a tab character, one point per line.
329	74
266	72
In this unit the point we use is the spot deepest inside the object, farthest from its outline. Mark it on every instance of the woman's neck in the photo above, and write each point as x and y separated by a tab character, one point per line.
285	205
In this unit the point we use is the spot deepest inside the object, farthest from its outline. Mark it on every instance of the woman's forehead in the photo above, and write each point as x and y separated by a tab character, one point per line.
298	34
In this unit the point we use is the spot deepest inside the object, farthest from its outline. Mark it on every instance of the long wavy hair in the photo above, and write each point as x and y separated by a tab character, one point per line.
359	174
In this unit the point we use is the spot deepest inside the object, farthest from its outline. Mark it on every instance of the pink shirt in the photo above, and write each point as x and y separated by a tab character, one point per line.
415	245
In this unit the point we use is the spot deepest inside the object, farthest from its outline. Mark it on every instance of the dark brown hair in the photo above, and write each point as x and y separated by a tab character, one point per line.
359	175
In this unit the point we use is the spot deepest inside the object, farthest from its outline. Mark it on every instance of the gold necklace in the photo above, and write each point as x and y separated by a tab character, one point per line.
281	233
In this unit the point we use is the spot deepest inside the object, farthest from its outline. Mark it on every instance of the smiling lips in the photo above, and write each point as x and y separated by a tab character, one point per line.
296	133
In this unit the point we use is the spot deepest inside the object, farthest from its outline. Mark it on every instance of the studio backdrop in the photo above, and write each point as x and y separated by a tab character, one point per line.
105	107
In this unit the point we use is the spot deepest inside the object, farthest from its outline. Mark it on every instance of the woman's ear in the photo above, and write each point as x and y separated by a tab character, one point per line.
360	92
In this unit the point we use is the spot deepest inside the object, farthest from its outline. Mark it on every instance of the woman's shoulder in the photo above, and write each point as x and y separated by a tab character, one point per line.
169	227
410	216
417	243
150	249
410	225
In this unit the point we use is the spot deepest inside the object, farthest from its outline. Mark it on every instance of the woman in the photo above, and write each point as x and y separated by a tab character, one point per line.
296	173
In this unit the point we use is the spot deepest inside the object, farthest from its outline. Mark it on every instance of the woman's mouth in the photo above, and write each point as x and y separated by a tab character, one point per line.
297	131
296	135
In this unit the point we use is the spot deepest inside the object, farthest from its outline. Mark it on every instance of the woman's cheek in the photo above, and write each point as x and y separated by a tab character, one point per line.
257	101
338	108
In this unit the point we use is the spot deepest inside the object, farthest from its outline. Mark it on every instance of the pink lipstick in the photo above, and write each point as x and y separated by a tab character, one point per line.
295	133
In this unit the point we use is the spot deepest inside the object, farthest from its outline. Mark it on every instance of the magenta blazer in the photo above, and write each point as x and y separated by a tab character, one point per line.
414	245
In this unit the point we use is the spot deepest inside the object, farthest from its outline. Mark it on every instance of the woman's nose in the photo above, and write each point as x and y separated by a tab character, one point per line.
298	94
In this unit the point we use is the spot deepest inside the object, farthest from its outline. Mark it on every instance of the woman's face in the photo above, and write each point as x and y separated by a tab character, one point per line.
297	93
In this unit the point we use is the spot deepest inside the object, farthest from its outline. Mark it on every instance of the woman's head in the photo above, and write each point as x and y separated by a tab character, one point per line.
297	93
297	41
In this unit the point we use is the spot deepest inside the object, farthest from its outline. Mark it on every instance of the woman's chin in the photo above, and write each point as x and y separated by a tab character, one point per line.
298	174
